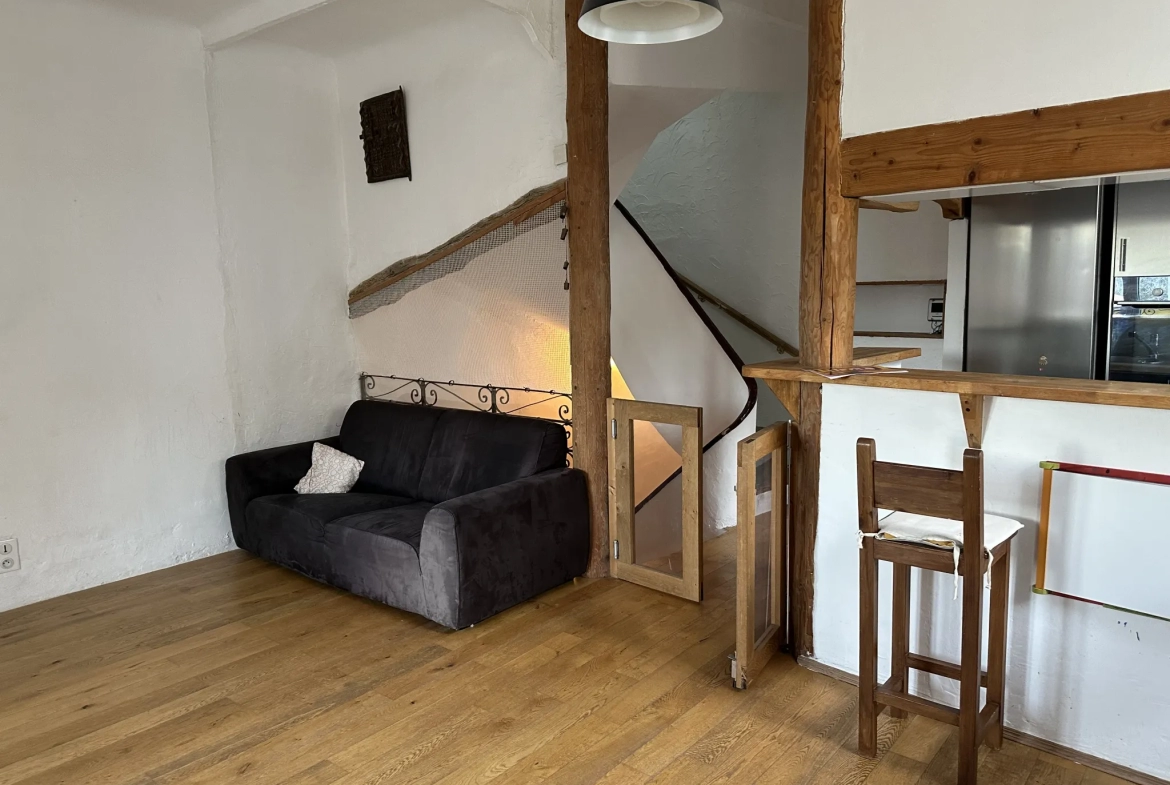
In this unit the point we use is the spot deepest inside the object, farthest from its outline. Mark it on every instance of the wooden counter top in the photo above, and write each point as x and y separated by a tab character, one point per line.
863	356
1148	396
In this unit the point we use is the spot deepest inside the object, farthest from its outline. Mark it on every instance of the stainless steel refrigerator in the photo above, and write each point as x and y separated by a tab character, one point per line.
1071	283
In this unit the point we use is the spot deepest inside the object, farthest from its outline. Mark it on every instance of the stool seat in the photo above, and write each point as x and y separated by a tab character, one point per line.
943	532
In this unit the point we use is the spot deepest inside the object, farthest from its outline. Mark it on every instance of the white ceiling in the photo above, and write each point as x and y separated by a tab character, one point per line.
192	12
345	26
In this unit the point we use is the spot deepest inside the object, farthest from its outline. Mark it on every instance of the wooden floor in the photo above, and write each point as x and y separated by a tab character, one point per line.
229	670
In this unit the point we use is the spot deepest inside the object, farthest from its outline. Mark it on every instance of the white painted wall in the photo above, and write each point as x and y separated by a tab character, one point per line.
1082	676
719	191
912	62
503	319
668	355
486	109
114	399
281	199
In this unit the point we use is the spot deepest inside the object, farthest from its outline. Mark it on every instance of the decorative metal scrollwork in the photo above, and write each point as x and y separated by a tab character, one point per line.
549	405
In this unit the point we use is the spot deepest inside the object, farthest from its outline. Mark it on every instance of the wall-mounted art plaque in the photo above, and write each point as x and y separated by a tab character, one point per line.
384	136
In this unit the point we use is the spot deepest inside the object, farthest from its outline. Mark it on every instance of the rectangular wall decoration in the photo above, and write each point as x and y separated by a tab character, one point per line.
385	137
1104	536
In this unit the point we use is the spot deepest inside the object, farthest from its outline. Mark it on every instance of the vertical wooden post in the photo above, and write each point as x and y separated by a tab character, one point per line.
587	116
828	279
806	479
828	237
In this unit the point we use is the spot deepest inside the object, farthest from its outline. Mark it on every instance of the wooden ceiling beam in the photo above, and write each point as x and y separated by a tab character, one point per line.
1089	139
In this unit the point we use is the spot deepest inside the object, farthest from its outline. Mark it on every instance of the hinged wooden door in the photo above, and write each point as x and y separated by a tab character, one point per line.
622	524
761	605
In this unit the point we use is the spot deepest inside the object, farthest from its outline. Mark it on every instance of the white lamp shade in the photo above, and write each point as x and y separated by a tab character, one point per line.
649	21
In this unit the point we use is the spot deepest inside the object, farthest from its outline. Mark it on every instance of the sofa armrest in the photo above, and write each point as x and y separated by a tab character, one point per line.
264	473
487	551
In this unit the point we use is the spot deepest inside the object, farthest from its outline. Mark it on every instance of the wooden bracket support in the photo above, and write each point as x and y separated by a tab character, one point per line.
789	394
973	419
952	209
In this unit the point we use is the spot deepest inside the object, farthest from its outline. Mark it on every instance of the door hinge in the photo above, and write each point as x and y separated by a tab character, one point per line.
614	422
616	550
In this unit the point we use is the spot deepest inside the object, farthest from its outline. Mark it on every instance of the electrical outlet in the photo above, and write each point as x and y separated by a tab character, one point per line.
560	155
9	556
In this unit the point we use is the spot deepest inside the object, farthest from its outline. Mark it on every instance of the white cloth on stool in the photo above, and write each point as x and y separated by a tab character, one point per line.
942	533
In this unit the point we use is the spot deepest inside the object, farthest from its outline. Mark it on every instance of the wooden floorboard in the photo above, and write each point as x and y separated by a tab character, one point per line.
230	670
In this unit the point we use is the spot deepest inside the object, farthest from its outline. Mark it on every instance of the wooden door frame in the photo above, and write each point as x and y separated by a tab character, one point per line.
623	562
751	652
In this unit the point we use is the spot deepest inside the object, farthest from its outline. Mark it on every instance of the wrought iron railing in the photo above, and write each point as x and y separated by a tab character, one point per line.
549	405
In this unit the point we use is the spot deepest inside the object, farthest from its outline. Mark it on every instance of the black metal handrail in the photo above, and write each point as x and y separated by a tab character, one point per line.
752	387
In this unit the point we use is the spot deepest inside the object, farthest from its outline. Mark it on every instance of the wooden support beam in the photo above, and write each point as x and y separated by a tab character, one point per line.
1126	134
973	411
828	277
828	237
789	394
806	481
587	116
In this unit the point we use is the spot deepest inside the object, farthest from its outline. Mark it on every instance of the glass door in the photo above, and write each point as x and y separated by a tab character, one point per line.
668	556
761	603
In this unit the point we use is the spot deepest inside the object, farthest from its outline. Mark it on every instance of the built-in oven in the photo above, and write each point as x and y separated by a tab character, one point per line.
1139	349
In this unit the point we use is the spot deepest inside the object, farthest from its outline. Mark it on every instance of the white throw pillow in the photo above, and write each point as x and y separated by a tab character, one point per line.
332	471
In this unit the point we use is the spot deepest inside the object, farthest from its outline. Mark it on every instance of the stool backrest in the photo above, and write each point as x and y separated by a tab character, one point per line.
922	490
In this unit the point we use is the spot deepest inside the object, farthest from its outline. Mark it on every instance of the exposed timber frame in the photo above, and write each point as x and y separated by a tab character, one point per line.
1090	139
828	273
587	117
1111	136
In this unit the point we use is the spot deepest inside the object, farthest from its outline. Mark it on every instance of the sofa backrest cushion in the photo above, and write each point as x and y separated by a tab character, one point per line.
393	439
471	451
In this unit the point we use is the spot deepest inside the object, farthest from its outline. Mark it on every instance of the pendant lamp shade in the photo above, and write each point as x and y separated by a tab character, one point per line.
649	21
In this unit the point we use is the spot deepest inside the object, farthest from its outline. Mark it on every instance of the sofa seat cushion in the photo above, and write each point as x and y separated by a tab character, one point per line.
289	529
403	523
375	555
315	510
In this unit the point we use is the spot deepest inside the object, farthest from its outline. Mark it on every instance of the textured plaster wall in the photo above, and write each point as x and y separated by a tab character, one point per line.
667	354
115	406
486	110
719	191
503	319
281	198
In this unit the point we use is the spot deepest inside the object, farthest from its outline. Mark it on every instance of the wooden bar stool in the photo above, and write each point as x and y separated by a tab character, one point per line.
936	511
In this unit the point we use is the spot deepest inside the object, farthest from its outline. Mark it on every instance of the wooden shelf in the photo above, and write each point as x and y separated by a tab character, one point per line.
1141	395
